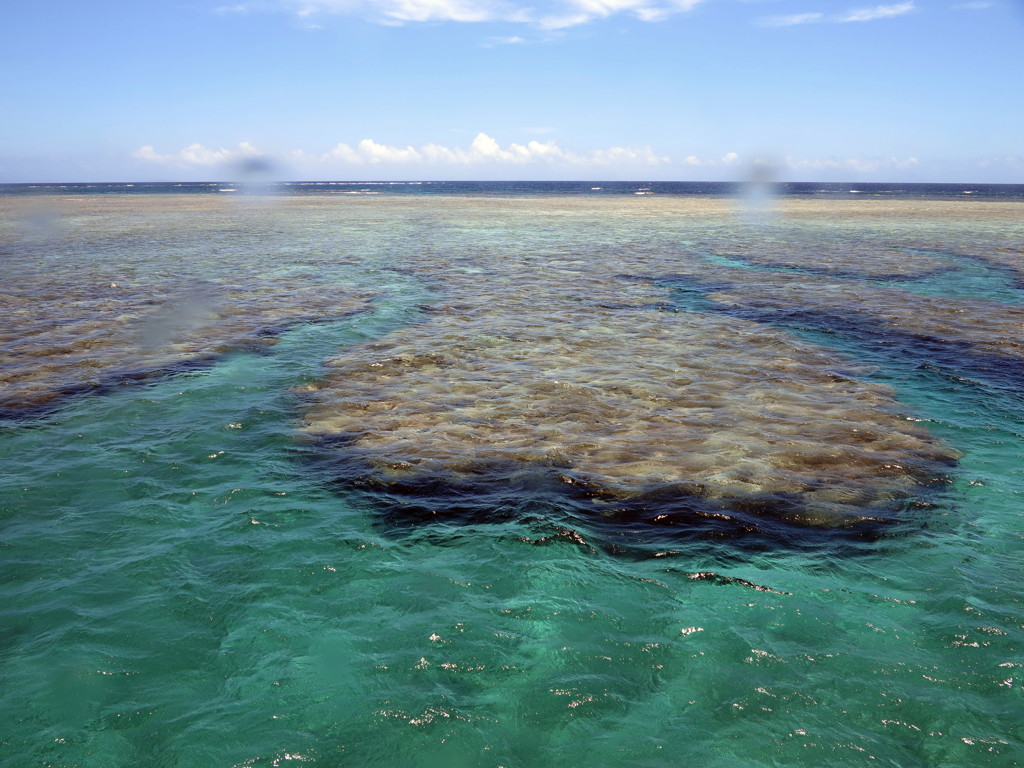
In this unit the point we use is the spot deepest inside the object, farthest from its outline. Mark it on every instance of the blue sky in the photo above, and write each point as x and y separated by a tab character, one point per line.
830	90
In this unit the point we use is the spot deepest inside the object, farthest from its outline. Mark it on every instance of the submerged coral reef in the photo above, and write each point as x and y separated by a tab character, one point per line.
90	301
578	367
635	355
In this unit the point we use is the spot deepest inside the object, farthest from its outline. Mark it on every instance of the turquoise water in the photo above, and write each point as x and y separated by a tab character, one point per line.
184	585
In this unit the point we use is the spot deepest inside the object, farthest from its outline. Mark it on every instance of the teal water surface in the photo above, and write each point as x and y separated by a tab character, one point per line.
183	586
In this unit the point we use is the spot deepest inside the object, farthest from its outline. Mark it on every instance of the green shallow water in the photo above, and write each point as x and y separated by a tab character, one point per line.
181	586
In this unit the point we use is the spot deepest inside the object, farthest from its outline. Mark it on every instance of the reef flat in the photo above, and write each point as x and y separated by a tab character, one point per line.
91	299
577	366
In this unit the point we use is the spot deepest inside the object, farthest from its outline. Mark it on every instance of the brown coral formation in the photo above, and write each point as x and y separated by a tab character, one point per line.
982	327
567	365
825	252
862	243
75	318
62	338
881	239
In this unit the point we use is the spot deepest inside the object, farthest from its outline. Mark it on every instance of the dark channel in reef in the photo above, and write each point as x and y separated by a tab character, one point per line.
568	511
950	337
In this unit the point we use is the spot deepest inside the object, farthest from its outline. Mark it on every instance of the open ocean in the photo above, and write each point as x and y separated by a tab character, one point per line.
511	474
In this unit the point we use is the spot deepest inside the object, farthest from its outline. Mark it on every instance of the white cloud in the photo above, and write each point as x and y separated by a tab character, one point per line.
625	155
854	164
581	11
512	40
483	150
380	153
197	154
862	14
793	20
484	156
554	15
401	11
878	12
1012	162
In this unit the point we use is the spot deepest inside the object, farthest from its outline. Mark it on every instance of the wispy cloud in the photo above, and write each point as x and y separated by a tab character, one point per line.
550	16
569	13
1012	162
860	14
511	40
878	12
402	11
792	20
852	164
227	9
197	154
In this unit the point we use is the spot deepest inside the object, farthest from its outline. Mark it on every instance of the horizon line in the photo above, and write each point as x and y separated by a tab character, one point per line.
270	183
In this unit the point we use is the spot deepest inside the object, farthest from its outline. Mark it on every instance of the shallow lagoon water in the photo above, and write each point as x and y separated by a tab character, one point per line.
194	575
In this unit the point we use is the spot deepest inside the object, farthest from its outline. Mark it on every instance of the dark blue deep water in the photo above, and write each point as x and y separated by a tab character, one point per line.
520	188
